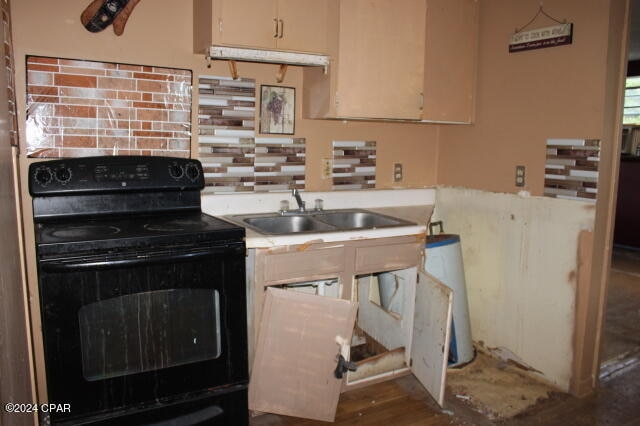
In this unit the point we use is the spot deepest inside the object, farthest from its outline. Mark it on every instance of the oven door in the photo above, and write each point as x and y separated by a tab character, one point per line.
142	329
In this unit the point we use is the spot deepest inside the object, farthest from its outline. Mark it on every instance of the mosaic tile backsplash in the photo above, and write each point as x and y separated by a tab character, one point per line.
80	108
233	158
354	165
571	169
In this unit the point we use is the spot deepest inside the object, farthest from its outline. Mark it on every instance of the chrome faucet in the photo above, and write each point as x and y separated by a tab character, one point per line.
296	195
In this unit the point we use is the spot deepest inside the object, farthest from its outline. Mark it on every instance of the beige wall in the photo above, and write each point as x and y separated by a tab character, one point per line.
524	98
160	33
15	359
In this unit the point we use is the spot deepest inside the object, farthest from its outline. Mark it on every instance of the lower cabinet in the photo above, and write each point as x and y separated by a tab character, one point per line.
329	317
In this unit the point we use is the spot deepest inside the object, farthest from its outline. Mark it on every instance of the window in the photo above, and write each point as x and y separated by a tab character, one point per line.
632	101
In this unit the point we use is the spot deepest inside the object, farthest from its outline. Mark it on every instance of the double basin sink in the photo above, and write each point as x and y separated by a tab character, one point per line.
294	222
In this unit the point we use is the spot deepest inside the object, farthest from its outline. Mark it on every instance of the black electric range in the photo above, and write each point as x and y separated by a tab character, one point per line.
136	231
142	296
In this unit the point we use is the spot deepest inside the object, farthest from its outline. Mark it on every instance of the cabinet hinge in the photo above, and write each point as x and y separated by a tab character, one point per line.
337	100
220	26
421	101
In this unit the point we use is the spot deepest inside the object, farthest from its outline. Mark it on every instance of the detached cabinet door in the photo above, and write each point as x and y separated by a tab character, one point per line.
431	334
381	59
293	370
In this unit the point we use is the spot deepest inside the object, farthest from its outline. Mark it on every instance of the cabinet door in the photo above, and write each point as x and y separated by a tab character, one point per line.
450	60
303	25
296	354
431	334
247	23
381	59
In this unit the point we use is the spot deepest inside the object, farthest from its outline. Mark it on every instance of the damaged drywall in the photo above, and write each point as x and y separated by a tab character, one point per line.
520	258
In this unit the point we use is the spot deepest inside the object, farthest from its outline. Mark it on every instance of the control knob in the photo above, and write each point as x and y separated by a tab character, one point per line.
176	171
63	174
43	176
192	171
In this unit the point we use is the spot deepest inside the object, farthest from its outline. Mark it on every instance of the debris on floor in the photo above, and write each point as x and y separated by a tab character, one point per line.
495	388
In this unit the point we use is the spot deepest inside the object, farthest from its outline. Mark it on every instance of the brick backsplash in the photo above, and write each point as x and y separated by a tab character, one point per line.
82	108
571	169
354	165
233	158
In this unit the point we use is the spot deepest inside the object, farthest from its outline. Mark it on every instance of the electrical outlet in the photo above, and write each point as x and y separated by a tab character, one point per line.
327	168
520	173
397	172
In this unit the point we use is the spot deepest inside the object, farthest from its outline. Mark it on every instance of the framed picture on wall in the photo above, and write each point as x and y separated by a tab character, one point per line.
277	109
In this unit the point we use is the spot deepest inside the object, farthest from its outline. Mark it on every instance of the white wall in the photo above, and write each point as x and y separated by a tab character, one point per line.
520	259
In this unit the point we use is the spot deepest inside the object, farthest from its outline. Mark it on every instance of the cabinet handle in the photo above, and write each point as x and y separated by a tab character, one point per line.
281	28
275	35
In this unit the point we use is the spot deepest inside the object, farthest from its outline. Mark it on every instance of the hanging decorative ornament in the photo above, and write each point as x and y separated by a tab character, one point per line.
102	13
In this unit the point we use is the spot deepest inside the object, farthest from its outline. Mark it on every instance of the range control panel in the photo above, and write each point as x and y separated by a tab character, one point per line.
114	174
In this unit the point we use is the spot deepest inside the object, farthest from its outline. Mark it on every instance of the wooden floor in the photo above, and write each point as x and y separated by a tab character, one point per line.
622	322
399	402
616	401
403	402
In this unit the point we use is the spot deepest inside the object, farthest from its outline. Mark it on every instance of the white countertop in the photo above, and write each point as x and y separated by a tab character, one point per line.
257	240
415	205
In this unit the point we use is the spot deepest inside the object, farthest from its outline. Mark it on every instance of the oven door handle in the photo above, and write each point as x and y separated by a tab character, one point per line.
137	261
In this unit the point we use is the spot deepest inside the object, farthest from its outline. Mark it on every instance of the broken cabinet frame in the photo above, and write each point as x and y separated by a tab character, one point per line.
416	340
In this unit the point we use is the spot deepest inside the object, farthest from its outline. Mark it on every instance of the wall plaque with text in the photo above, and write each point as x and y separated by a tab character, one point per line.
541	38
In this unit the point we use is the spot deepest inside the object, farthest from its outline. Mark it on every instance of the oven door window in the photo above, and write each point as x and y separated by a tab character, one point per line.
149	331
128	330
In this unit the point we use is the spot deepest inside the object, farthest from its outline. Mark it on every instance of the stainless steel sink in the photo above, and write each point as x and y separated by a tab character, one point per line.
359	220
318	221
286	224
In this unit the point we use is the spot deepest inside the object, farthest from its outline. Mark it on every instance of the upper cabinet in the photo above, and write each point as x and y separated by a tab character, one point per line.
289	25
377	64
303	25
409	60
380	65
450	60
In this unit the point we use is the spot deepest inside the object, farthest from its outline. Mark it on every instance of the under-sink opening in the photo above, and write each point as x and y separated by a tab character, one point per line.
381	341
373	359
382	336
364	346
386	290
